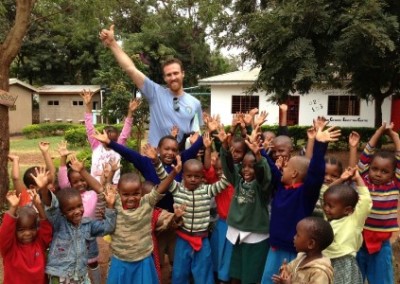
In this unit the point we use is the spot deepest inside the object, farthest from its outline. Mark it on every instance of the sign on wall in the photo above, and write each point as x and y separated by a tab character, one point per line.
7	99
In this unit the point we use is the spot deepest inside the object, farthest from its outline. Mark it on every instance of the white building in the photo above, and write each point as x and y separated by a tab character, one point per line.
229	95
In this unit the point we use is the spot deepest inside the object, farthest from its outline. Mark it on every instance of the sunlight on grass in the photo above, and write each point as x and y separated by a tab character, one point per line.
22	144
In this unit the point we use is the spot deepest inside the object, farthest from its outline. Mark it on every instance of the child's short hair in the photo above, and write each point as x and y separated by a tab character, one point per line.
301	165
240	139
333	161
27	211
170	137
320	230
28	179
193	162
66	194
110	129
385	155
347	194
129	177
284	139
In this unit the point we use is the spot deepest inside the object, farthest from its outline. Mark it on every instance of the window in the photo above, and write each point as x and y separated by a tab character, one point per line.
244	103
343	105
77	103
52	103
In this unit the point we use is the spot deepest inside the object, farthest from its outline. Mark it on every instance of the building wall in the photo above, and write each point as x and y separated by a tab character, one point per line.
21	114
65	110
221	103
311	105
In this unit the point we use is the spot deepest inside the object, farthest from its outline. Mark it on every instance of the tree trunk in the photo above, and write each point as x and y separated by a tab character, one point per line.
8	51
4	139
378	109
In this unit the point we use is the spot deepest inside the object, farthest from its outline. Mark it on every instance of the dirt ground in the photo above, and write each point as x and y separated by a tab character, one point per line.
30	159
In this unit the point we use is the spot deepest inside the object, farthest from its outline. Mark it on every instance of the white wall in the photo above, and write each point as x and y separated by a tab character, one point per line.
221	103
316	104
311	105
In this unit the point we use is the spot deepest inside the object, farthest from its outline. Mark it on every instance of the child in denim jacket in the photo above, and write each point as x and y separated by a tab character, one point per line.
67	259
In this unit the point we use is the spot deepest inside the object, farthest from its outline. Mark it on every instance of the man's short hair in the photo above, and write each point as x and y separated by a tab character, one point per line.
170	61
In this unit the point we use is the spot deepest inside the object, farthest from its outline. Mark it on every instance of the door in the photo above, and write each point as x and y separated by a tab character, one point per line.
395	113
293	110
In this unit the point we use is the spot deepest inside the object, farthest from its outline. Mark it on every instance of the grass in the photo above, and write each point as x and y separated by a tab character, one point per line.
22	144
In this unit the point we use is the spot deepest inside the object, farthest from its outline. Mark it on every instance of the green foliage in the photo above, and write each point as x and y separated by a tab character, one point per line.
299	133
345	43
47	129
78	137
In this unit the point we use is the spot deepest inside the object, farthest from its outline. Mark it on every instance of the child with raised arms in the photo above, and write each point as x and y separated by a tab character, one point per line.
298	189
380	171
346	210
68	254
102	154
131	242
24	240
192	250
248	220
313	235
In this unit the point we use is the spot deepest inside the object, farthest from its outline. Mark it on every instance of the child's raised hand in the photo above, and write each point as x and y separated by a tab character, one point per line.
41	178
254	146
222	135
327	135
134	104
179	210
62	149
354	139
207	139
115	165
150	152
178	166
311	133
268	143
320	122
175	131
281	162
102	137
249	116
283	107
86	96
262	117
255	134
44	146
348	173
13	199
193	137
76	165
35	198
13	158
213	122
110	197
235	119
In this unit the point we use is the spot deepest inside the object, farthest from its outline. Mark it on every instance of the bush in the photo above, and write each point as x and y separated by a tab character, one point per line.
76	137
47	129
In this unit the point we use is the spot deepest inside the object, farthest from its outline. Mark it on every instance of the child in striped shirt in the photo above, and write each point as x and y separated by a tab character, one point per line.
381	174
192	250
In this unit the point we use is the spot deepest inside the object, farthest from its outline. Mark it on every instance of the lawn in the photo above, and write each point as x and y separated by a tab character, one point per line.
29	153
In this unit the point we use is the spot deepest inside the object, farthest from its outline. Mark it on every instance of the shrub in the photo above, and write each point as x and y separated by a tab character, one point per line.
76	137
47	129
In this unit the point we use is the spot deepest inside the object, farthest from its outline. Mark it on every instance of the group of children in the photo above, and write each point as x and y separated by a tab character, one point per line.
281	218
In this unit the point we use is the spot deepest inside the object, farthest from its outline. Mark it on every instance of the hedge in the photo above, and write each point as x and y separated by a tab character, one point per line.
47	129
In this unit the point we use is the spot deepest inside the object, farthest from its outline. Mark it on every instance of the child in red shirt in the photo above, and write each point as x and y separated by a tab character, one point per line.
23	241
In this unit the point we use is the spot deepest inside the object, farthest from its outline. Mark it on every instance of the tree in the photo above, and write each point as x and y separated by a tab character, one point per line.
9	47
347	43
